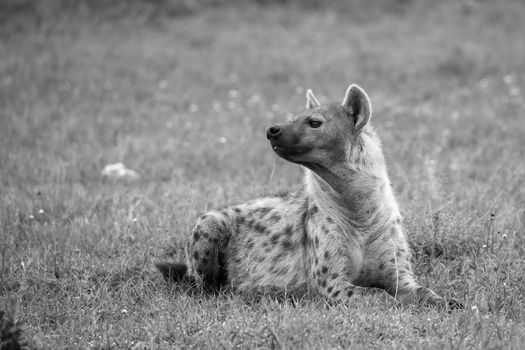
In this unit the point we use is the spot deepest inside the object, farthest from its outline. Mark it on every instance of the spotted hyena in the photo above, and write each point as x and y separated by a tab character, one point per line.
340	231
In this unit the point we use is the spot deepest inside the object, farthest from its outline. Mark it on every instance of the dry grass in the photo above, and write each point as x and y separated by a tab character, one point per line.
186	101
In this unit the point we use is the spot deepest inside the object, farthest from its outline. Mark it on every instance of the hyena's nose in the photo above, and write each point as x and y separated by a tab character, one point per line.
273	132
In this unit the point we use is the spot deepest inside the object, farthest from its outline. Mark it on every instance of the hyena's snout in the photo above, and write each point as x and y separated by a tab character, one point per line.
274	132
285	140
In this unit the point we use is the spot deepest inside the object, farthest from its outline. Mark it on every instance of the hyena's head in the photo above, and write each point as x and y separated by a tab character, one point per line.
323	134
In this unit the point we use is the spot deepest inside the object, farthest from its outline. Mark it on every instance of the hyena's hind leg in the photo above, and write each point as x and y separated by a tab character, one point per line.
396	275
207	250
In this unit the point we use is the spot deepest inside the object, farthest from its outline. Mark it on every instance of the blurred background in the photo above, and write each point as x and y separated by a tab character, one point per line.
183	91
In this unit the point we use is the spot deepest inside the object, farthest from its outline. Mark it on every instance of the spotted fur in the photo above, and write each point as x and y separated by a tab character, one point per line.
340	231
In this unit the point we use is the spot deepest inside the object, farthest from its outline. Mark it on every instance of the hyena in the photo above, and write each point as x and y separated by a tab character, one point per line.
342	230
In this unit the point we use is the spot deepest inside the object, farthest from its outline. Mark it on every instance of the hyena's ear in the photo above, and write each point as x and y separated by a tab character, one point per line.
356	102
311	101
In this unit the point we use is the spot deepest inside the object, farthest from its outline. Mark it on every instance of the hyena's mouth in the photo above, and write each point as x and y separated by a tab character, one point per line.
288	151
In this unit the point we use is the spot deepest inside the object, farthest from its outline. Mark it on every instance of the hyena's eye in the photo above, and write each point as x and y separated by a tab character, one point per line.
315	123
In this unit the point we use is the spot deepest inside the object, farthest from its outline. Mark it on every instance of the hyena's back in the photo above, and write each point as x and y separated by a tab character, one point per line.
258	243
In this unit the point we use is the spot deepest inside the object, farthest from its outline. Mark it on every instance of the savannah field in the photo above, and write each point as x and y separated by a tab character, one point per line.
183	92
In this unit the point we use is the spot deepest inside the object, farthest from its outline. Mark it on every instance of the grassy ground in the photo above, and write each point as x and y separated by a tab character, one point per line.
186	101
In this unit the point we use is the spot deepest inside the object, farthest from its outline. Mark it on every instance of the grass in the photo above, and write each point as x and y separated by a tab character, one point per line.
186	100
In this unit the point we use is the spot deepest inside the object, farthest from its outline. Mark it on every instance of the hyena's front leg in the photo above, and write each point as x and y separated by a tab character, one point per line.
334	283
335	267
210	237
396	273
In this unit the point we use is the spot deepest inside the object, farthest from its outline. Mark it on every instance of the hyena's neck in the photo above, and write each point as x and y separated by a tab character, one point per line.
361	194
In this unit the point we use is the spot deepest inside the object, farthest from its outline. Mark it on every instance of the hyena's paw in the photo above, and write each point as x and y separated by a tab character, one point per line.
445	304
425	296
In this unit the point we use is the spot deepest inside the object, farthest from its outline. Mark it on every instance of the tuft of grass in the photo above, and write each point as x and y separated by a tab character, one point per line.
10	331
